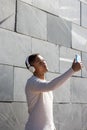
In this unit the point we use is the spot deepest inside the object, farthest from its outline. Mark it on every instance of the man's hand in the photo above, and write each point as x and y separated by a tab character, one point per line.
76	66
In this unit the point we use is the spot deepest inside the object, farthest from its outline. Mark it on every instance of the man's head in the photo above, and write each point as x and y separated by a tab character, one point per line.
38	62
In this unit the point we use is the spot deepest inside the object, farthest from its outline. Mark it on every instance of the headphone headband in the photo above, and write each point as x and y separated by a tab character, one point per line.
27	62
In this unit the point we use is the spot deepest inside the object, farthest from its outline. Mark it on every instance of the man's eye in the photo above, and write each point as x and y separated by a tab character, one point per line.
40	62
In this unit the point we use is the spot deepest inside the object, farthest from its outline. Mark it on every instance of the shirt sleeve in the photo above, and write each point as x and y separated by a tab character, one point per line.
40	86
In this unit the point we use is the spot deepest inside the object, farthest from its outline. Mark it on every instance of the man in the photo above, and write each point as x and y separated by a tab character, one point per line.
39	92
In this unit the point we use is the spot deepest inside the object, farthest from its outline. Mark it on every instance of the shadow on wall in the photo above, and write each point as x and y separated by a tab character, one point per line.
6	18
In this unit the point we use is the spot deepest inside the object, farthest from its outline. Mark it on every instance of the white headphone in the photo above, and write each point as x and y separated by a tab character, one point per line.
31	68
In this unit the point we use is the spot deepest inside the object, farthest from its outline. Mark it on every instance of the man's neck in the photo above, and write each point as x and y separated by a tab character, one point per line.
40	76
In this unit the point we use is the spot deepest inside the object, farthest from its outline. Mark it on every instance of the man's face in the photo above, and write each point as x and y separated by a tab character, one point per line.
40	64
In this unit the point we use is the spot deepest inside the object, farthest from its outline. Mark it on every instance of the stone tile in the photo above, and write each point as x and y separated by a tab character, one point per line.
21	114
68	116
6	83
79	90
62	93
7	14
20	79
47	49
84	116
55	114
67	56
79	38
34	21
13	116
84	15
8	121
84	60
27	1
70	10
84	1
51	6
59	31
14	48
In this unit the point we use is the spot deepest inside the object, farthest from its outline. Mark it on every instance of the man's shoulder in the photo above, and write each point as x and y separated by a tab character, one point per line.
29	82
31	79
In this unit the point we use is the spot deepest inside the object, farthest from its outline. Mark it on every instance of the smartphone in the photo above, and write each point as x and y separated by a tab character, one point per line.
77	58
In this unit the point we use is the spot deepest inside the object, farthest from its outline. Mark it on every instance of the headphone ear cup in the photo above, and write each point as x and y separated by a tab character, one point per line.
32	69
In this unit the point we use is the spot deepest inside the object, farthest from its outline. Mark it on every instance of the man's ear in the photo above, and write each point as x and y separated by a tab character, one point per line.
32	69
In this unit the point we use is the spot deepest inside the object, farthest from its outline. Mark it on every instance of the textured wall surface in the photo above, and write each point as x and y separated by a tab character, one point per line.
57	29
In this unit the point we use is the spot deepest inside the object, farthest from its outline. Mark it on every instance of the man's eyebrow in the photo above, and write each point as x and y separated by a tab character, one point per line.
39	60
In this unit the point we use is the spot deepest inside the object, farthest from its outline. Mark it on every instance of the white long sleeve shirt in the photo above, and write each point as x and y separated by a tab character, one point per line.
40	101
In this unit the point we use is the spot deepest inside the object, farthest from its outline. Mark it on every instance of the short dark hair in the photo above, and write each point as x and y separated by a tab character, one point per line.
31	59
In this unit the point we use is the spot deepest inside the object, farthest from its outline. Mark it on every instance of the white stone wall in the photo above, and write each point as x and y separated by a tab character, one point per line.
57	29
